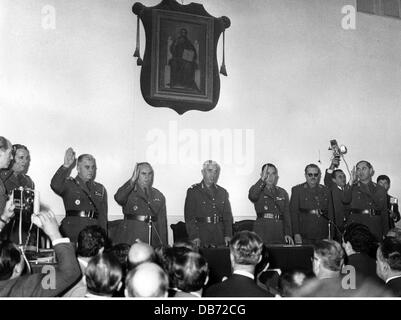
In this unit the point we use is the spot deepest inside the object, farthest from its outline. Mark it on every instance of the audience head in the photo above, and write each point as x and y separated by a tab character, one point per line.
5	153
328	258
388	257
210	172
245	250
357	238
146	280
339	178
11	262
312	174
140	252
91	241
289	282
395	233
103	275
384	181
120	251
86	167
364	171
190	271
186	244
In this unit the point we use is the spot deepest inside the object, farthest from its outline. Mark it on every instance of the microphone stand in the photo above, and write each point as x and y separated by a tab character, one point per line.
330	223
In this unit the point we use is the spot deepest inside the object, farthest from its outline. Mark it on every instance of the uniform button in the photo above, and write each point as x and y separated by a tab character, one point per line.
266	207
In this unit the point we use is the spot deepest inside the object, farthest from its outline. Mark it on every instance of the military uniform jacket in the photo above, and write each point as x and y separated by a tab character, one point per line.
135	202
304	197
274	200
3	196
202	202
373	197
74	197
13	181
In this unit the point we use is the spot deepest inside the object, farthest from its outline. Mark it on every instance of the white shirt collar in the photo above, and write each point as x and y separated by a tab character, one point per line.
83	262
195	293
245	274
91	295
394	277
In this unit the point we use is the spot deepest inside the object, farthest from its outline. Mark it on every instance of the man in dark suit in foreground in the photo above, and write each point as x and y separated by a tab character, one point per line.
45	284
245	254
388	266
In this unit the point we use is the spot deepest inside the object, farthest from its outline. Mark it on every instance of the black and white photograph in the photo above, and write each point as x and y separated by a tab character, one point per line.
186	153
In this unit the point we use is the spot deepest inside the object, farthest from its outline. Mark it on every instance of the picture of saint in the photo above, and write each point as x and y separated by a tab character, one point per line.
183	57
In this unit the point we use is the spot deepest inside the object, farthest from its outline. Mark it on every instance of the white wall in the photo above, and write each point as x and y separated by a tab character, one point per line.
296	80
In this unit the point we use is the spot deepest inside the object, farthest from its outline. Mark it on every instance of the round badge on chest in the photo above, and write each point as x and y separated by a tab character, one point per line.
77	202
266	207
135	208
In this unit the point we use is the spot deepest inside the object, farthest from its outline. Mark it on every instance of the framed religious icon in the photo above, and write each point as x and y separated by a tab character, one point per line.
179	69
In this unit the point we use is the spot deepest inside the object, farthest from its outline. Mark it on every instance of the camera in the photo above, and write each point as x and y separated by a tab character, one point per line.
24	200
338	151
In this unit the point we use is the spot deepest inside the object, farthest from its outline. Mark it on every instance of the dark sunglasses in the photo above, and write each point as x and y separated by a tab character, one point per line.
313	175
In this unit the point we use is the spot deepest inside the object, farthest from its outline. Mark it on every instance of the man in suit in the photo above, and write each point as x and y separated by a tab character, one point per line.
189	272
142	204
309	208
335	181
48	284
368	200
85	200
389	264
91	241
208	216
359	245
392	202
245	254
273	222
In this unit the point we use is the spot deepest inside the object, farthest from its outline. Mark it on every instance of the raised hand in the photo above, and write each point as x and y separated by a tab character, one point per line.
46	220
69	158
135	174
335	163
264	174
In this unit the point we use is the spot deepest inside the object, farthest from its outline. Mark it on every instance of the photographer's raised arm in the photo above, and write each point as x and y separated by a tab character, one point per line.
67	270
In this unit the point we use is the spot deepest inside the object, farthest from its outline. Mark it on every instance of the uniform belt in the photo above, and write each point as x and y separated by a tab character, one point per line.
268	215
370	212
92	214
140	217
209	219
317	212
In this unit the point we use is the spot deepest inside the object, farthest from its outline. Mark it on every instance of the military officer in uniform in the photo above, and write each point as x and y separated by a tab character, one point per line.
14	178
368	200
273	222
207	211
309	208
85	200
144	209
392	202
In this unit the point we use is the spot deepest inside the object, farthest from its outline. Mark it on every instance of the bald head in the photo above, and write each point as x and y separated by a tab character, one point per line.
146	280
140	252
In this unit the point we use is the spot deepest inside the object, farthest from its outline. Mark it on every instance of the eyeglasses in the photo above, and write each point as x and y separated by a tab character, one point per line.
313	175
